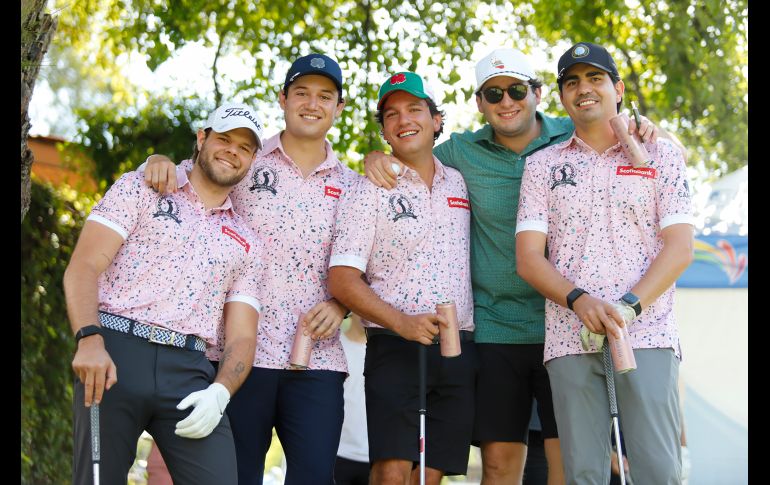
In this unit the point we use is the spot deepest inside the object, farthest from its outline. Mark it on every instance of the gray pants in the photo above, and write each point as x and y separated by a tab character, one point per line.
648	404
152	379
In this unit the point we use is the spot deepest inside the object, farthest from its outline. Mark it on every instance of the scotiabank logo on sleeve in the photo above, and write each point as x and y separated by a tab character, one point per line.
238	238
458	202
332	191
647	172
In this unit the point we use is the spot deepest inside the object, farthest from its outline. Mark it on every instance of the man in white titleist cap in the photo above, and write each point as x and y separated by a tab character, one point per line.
155	280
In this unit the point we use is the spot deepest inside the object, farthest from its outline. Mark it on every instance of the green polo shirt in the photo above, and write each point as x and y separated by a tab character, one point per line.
506	309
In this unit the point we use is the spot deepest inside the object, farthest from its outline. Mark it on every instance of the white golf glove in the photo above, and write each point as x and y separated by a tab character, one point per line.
625	311
209	405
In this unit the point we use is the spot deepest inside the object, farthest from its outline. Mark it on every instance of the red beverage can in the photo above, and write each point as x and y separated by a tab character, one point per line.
622	352
301	348
449	338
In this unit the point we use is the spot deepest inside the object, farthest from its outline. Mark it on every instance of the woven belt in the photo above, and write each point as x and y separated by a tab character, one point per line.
153	333
465	335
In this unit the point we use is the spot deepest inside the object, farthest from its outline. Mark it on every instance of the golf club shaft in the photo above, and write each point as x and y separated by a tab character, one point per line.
423	376
610	378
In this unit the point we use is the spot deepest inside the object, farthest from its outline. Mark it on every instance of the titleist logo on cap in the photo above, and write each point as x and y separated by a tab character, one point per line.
241	112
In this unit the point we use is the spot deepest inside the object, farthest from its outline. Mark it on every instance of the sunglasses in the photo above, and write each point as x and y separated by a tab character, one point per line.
515	91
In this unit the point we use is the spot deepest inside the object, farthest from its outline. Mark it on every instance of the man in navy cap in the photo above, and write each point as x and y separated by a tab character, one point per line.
619	236
290	198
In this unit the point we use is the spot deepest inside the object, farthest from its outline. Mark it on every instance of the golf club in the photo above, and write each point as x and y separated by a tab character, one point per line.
95	445
610	376
423	370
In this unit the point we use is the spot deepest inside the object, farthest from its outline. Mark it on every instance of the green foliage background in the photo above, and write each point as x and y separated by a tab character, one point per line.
684	61
49	233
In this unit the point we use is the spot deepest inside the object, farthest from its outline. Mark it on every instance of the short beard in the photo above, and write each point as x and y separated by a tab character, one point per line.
204	160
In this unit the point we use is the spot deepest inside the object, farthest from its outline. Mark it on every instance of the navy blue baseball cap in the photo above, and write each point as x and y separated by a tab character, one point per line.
314	64
587	53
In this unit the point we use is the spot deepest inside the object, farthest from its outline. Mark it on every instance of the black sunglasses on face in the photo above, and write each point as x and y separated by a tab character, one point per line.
515	91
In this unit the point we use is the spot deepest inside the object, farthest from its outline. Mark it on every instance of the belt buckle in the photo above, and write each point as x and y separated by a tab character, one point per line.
155	340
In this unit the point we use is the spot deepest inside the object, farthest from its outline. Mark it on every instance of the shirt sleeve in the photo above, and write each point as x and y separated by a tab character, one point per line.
246	288
355	228
533	201
673	191
121	207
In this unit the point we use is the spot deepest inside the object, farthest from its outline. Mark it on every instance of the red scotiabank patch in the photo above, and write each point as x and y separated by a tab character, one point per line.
398	78
647	172
458	202
238	238
332	191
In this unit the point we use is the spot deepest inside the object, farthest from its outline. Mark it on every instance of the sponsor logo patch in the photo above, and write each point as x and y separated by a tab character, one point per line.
238	238
646	172
458	202
332	191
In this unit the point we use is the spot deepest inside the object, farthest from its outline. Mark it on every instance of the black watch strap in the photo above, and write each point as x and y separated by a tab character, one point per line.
574	295
87	331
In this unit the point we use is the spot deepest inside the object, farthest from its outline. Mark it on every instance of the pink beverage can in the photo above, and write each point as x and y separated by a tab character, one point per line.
622	352
633	147
449	338
301	348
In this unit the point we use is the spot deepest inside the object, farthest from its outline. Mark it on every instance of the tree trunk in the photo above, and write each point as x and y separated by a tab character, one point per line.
37	29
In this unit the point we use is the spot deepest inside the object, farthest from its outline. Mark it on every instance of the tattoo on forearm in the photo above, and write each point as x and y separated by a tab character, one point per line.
239	368
225	355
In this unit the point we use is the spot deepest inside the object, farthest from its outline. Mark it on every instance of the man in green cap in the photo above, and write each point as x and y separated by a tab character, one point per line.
395	256
509	313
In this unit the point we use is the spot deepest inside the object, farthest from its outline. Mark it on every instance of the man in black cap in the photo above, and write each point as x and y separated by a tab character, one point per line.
290	197
619	235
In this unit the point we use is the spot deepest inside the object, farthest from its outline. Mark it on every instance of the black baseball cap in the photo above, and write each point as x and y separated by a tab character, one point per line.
314	64
587	53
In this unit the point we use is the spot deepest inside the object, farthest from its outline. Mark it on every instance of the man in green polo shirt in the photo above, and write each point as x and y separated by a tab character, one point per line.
509	314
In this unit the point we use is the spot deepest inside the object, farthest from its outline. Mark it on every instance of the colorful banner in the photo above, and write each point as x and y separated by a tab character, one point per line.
720	262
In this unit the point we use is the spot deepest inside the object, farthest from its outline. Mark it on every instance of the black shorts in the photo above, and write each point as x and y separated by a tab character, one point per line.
509	376
392	403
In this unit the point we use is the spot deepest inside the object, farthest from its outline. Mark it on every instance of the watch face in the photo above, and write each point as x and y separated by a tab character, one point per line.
630	298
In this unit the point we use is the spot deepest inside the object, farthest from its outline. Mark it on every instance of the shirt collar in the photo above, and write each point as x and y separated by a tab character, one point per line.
550	128
182	179
440	170
576	140
274	143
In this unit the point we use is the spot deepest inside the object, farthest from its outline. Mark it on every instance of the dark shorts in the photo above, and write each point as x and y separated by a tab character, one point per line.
510	375
392	403
350	472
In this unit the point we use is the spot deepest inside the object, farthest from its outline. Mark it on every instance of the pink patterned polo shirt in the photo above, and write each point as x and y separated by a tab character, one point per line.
294	217
603	220
179	263
412	244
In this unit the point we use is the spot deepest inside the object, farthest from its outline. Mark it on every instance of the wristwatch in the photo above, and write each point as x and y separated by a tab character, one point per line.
631	300
87	331
574	295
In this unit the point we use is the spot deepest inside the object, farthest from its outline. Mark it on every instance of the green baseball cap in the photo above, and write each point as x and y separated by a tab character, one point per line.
405	81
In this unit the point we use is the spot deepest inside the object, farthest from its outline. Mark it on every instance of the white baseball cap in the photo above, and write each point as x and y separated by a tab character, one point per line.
504	62
230	116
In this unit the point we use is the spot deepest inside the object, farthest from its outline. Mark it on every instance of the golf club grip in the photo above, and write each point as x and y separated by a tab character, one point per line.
610	376
95	445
